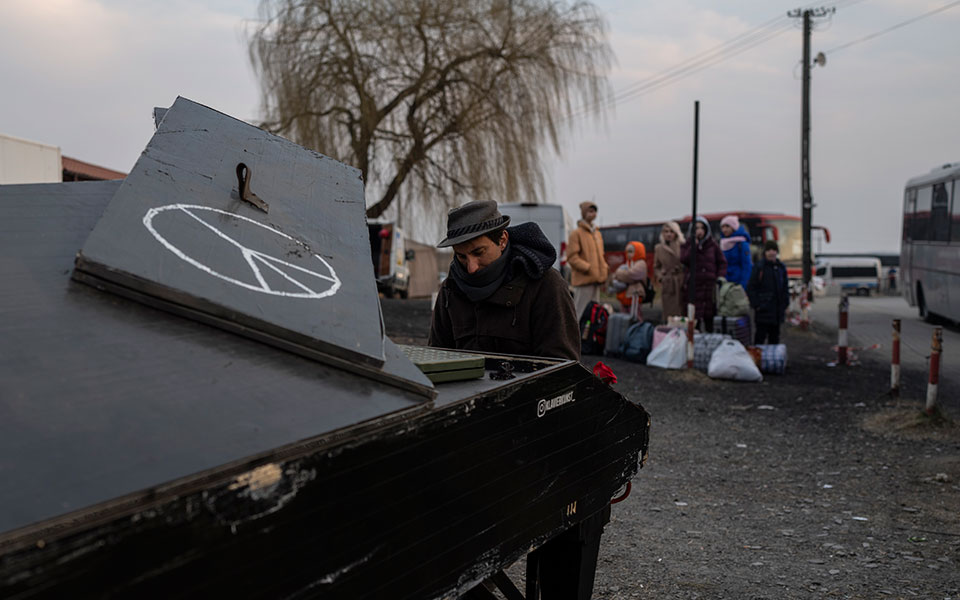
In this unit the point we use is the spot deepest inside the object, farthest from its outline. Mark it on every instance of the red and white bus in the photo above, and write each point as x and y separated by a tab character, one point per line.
786	230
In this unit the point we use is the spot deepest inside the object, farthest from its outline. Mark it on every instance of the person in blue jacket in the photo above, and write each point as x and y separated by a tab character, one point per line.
735	244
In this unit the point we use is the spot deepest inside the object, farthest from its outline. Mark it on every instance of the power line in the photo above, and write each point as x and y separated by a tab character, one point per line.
894	27
737	45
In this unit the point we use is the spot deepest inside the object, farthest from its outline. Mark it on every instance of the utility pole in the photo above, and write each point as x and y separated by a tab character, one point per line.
806	198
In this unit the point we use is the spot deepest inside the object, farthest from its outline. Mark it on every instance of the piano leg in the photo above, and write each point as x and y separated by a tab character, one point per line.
565	566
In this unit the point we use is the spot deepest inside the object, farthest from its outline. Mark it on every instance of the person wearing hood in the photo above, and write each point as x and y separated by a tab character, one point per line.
710	265
630	277
502	294
769	294
585	256
668	270
735	244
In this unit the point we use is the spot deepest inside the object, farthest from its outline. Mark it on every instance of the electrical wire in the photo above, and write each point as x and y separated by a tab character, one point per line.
893	27
737	45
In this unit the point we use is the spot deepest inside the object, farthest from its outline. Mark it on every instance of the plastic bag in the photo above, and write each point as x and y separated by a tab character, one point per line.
732	361
671	352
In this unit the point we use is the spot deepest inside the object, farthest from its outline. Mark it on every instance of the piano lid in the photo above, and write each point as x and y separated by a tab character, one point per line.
232	225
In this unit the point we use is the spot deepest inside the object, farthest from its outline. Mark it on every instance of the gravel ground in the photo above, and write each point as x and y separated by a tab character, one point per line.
811	484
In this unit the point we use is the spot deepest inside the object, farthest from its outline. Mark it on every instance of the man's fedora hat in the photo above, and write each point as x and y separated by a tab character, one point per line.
472	220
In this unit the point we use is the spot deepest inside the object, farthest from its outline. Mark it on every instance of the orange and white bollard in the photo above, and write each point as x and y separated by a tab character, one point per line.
842	331
895	361
936	347
691	312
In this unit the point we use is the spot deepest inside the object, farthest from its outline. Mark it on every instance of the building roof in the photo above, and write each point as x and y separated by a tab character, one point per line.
74	169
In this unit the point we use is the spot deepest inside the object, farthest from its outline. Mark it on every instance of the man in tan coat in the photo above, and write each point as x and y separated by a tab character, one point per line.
585	257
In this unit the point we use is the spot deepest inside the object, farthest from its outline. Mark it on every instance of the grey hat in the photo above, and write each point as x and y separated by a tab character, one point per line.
472	220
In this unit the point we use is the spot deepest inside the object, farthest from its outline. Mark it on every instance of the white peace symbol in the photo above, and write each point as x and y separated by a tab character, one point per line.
253	257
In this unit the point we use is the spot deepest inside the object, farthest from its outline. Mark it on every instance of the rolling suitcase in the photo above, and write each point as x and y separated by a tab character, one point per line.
737	327
617	326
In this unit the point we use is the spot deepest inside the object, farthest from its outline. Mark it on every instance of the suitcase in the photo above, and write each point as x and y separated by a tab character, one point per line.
617	326
703	346
773	358
737	327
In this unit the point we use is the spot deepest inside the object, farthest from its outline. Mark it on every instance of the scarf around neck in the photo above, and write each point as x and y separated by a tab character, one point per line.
482	284
729	242
528	250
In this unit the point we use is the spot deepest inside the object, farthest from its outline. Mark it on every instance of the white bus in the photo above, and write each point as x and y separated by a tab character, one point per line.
860	275
930	251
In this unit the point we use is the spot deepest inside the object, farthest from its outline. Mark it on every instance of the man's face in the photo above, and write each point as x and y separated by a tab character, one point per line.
479	252
589	214
770	255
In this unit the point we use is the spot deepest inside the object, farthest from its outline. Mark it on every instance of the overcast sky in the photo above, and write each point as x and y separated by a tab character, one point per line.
85	74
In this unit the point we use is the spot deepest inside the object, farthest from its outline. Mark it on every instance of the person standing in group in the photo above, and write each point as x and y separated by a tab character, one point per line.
631	276
668	270
735	244
769	294
585	257
710	265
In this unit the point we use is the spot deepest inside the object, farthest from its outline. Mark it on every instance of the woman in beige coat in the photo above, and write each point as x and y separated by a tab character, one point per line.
668	270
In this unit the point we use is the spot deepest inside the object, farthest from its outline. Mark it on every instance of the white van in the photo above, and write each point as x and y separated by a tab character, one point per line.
859	275
390	256
551	218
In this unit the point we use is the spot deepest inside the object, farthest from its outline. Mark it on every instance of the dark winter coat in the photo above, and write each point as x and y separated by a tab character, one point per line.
768	291
739	262
533	317
531	313
710	265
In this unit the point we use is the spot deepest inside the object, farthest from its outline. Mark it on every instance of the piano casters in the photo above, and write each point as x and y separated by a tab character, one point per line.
562	569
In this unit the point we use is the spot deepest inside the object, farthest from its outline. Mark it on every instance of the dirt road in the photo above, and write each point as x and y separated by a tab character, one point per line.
811	484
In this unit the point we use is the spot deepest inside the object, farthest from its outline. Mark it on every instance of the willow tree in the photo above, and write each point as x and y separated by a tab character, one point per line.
444	100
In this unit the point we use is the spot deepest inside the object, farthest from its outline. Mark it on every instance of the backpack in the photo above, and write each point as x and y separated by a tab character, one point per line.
593	328
637	342
649	292
732	300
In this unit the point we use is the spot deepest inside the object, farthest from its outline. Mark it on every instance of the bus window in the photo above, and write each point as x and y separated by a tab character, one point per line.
920	228
840	272
955	228
939	213
955	233
909	205
615	238
790	239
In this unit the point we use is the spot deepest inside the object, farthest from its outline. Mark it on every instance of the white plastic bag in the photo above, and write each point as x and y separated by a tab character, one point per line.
671	352
732	361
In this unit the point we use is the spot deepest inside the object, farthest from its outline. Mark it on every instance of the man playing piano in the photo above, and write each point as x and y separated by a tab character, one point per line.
501	294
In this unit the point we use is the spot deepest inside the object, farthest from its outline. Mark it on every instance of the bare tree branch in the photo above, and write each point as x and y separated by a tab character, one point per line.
445	100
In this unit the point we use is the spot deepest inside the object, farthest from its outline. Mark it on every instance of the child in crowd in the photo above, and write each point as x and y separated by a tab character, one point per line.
630	277
769	294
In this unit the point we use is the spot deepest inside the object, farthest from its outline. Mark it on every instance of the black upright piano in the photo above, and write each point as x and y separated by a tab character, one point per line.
197	399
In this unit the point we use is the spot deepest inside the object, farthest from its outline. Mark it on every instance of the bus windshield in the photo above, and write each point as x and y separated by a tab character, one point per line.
790	239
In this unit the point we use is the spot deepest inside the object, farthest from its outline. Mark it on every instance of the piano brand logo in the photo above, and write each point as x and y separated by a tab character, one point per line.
547	405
